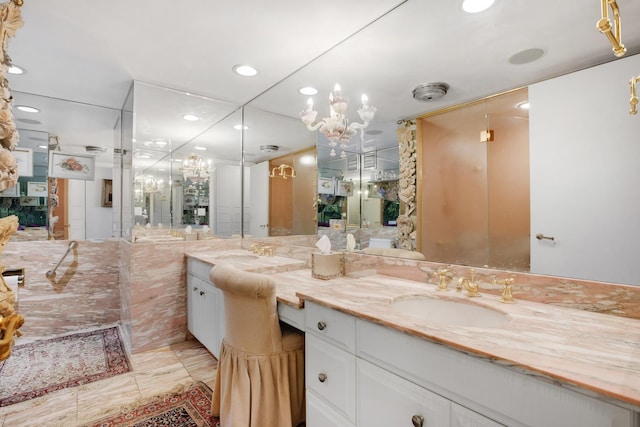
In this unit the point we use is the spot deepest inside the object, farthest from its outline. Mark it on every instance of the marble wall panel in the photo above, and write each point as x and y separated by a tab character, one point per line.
158	306
84	293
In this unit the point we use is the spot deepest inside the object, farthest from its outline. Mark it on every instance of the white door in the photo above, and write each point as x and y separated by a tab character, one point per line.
259	200
76	197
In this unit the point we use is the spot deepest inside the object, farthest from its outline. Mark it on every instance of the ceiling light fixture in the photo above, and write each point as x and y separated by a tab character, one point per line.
240	127
523	105
190	117
526	56
308	91
245	70
336	127
430	91
196	168
14	69
269	148
476	6
199	148
161	143
27	109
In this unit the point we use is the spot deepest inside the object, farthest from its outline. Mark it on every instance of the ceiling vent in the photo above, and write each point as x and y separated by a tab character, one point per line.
428	92
269	148
95	149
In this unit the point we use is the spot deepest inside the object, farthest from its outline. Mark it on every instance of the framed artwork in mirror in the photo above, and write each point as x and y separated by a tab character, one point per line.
11	192
71	166
24	158
36	189
325	186
344	188
107	193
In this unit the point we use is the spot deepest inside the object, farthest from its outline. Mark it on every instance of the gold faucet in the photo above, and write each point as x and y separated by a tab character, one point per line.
442	274
469	284
506	297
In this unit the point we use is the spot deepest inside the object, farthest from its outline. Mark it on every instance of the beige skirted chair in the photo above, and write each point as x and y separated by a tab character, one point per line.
260	379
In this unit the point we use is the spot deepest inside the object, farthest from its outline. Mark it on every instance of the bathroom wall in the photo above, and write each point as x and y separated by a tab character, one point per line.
154	302
83	295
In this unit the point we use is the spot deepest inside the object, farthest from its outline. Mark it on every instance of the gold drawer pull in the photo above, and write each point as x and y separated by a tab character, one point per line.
322	377
417	420
322	325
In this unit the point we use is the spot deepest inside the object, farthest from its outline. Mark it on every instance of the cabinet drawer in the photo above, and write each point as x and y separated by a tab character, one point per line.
333	326
291	315
463	417
331	374
199	268
319	414
384	399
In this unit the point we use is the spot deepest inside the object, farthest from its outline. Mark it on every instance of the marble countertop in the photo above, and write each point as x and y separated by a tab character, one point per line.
248	261
594	353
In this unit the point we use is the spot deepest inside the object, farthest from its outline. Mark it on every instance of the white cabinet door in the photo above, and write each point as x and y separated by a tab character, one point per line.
203	313
463	417
385	399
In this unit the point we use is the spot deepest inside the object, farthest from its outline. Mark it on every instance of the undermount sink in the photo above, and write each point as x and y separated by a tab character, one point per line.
452	313
237	257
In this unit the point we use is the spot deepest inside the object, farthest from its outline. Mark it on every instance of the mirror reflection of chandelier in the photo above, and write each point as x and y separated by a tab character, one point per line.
152	185
336	127
196	168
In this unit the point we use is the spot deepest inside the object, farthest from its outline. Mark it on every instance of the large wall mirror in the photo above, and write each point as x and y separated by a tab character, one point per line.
181	161
63	131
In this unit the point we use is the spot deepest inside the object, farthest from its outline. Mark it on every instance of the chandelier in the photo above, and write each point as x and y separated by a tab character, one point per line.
336	127
196	168
152	185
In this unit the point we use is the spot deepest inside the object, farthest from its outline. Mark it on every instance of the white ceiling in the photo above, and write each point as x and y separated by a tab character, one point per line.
90	52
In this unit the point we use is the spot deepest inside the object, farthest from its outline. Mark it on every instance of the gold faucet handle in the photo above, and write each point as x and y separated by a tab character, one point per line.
506	296
443	279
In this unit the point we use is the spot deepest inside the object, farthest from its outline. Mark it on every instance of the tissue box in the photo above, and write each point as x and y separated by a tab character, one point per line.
327	266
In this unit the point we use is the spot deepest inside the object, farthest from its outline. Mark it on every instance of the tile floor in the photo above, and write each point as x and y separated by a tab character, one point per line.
154	372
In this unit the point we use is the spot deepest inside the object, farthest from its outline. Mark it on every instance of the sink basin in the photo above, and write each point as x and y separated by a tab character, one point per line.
237	257
453	313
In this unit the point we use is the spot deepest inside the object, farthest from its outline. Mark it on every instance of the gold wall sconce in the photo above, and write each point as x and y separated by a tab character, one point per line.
613	34
282	172
633	83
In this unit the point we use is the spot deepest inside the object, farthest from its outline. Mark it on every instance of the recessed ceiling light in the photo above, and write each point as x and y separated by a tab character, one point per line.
245	70
161	143
27	109
524	105
14	69
29	121
144	156
161	169
308	91
43	146
177	160
240	127
526	56
190	117
200	148
475	6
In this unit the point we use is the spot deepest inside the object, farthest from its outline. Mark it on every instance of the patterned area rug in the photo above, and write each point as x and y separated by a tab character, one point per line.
189	408
42	367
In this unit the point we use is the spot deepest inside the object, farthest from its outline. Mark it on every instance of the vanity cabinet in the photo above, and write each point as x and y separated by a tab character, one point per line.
365	374
205	307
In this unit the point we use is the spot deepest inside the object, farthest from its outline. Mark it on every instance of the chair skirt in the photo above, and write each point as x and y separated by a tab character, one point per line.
259	390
